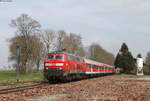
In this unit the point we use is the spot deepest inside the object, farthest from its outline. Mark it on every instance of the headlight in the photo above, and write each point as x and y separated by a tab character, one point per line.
59	64
54	64
48	64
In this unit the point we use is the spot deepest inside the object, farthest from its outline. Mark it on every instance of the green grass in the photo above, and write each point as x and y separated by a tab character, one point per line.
10	76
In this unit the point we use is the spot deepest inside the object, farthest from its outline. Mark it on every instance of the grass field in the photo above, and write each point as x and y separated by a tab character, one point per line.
10	76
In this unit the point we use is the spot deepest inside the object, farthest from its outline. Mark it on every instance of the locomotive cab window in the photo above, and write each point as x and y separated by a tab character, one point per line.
55	56
58	57
50	56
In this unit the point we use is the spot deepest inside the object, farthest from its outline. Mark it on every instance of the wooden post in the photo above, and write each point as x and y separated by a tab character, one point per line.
18	62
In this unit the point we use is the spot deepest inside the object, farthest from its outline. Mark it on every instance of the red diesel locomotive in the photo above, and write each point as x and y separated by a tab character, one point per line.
60	65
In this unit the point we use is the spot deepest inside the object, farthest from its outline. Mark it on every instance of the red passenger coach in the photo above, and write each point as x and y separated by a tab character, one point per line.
94	67
59	65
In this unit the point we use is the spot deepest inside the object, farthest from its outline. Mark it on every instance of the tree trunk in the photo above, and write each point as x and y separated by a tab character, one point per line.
38	65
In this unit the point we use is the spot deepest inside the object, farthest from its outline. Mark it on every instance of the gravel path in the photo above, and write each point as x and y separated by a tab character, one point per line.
107	88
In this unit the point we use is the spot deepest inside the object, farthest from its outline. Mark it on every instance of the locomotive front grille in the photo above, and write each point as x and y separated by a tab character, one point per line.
55	71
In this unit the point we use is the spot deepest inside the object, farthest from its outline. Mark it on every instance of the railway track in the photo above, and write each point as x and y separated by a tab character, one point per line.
16	89
38	85
20	82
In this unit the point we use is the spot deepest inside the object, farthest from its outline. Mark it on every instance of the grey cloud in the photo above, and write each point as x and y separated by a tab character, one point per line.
109	22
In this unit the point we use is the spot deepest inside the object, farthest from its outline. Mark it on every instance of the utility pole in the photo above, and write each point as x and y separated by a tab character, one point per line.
18	49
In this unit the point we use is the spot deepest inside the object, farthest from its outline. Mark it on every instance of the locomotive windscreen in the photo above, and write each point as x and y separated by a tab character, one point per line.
55	56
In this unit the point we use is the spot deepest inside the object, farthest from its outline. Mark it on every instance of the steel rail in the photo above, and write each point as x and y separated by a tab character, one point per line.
21	82
10	90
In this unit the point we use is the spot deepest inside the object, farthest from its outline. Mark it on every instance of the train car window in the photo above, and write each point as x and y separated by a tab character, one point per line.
70	58
94	66
89	65
78	59
99	67
82	60
58	57
50	56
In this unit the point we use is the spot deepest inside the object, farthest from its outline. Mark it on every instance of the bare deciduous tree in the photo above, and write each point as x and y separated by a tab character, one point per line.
38	51
26	29
96	52
148	60
73	44
28	58
49	40
25	25
61	37
76	45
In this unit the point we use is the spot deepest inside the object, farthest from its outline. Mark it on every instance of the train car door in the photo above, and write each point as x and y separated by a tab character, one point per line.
71	63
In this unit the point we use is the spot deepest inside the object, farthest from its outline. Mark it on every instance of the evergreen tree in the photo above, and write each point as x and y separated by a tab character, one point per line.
148	60
124	59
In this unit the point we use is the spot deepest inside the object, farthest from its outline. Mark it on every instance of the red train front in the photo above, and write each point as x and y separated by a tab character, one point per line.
60	65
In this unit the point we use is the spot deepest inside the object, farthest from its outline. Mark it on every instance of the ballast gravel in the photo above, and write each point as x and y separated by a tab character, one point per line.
104	88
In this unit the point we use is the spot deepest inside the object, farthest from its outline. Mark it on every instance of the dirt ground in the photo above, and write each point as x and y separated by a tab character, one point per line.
106	88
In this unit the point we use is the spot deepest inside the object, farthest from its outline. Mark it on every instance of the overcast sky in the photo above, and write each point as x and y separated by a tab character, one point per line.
108	22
